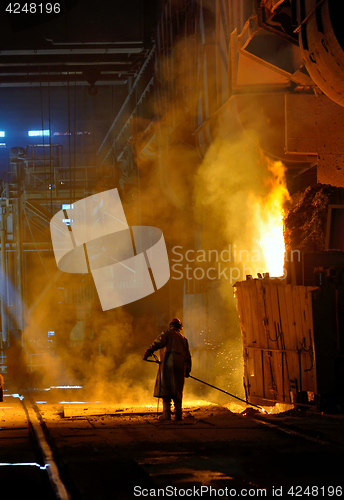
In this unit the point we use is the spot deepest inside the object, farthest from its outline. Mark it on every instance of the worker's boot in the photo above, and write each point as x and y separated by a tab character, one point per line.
178	409
166	409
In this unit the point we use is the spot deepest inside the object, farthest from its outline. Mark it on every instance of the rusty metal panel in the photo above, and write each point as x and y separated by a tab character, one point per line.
291	340
300	126
312	127
276	323
330	169
285	344
330	123
306	342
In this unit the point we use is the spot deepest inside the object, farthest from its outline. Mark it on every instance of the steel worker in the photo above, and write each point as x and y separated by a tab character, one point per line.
175	365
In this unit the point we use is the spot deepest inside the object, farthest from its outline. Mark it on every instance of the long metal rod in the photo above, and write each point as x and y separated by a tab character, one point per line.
212	386
228	393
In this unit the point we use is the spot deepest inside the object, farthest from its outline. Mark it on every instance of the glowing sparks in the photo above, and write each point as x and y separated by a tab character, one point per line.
240	408
191	403
278	408
268	220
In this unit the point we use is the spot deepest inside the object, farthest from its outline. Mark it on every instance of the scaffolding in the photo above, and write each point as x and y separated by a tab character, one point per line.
34	189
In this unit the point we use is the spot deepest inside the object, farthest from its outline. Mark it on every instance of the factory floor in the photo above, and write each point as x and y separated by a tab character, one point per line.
124	452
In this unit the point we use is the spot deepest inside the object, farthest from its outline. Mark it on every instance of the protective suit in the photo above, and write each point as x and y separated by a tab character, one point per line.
175	365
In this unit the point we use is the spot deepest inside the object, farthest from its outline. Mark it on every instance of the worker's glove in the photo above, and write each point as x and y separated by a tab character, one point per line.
147	354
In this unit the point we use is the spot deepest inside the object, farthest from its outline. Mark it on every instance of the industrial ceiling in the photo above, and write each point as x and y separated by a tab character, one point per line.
83	44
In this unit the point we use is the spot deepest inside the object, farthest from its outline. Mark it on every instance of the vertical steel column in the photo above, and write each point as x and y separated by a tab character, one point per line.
3	280
17	230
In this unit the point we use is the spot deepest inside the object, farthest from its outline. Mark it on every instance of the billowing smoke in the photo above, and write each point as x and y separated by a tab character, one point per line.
234	179
203	206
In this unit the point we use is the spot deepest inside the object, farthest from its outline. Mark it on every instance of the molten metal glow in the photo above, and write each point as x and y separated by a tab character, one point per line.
190	403
278	408
238	408
268	220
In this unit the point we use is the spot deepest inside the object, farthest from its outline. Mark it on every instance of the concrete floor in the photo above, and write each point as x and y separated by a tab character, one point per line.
128	453
20	471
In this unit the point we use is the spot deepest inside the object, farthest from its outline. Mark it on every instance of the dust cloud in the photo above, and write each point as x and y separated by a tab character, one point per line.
200	204
70	341
234	179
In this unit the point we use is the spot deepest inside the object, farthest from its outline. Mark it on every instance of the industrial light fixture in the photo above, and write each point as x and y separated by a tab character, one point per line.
2	133
38	133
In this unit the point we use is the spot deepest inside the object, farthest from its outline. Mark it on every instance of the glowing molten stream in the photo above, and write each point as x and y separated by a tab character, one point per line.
268	220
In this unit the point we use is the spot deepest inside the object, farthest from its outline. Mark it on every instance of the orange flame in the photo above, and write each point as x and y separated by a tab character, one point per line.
268	220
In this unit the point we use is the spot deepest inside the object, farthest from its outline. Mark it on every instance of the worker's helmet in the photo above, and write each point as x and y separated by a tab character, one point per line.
176	322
